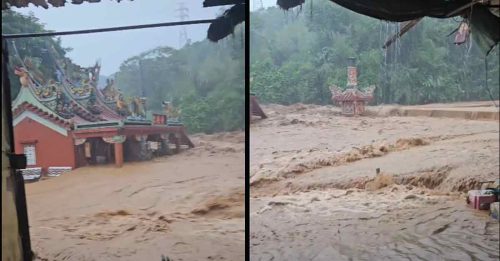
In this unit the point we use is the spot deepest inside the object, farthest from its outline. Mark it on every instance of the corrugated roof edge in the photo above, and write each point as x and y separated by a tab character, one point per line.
7	4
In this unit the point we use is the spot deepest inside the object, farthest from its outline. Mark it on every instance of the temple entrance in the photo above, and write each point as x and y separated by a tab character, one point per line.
145	147
136	149
158	145
94	151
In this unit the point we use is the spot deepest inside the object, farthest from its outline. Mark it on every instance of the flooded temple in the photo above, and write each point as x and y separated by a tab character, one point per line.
69	122
352	100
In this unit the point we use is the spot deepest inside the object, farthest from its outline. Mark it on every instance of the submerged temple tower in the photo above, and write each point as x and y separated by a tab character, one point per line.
352	100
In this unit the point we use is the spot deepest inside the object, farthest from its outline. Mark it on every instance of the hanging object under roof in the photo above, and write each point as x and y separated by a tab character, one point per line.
483	15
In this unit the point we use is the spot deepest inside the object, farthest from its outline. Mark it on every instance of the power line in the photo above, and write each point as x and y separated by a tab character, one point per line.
109	29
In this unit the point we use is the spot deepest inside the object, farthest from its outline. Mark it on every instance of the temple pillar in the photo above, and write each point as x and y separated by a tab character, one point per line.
117	142
118	154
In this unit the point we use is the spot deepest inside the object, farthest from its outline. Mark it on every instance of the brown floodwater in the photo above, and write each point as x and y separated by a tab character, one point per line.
315	194
188	206
360	225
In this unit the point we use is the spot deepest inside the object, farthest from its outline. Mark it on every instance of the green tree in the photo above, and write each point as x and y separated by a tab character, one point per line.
205	80
295	58
37	48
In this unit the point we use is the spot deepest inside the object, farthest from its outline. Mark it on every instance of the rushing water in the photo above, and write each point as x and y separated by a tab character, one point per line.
361	226
301	216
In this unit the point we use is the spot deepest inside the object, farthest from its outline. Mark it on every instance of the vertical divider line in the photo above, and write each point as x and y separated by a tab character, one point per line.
247	131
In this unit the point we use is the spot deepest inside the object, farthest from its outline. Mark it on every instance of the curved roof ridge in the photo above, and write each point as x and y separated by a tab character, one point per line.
48	115
27	95
106	107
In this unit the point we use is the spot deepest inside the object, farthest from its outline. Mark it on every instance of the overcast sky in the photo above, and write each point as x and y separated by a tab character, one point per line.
115	47
254	4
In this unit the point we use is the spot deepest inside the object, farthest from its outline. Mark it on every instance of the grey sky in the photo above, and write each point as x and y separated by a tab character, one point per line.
114	47
265	3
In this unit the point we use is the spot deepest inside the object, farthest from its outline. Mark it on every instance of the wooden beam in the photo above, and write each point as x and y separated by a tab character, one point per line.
406	27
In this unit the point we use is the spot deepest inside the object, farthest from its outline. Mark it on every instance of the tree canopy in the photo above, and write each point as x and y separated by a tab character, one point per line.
295	56
205	80
37	48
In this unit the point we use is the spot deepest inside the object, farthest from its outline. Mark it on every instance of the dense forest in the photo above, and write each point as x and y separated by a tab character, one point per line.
38	48
296	55
204	80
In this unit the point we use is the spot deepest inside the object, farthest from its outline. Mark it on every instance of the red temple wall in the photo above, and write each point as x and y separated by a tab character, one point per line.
52	148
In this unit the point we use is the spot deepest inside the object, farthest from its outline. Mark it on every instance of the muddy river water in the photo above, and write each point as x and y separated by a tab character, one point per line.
315	194
399	225
188	206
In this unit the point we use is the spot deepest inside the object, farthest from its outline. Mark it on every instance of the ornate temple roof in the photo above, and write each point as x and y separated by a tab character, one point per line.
352	94
73	100
26	97
25	106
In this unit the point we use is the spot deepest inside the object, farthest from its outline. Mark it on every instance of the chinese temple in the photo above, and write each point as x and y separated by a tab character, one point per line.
70	122
352	100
